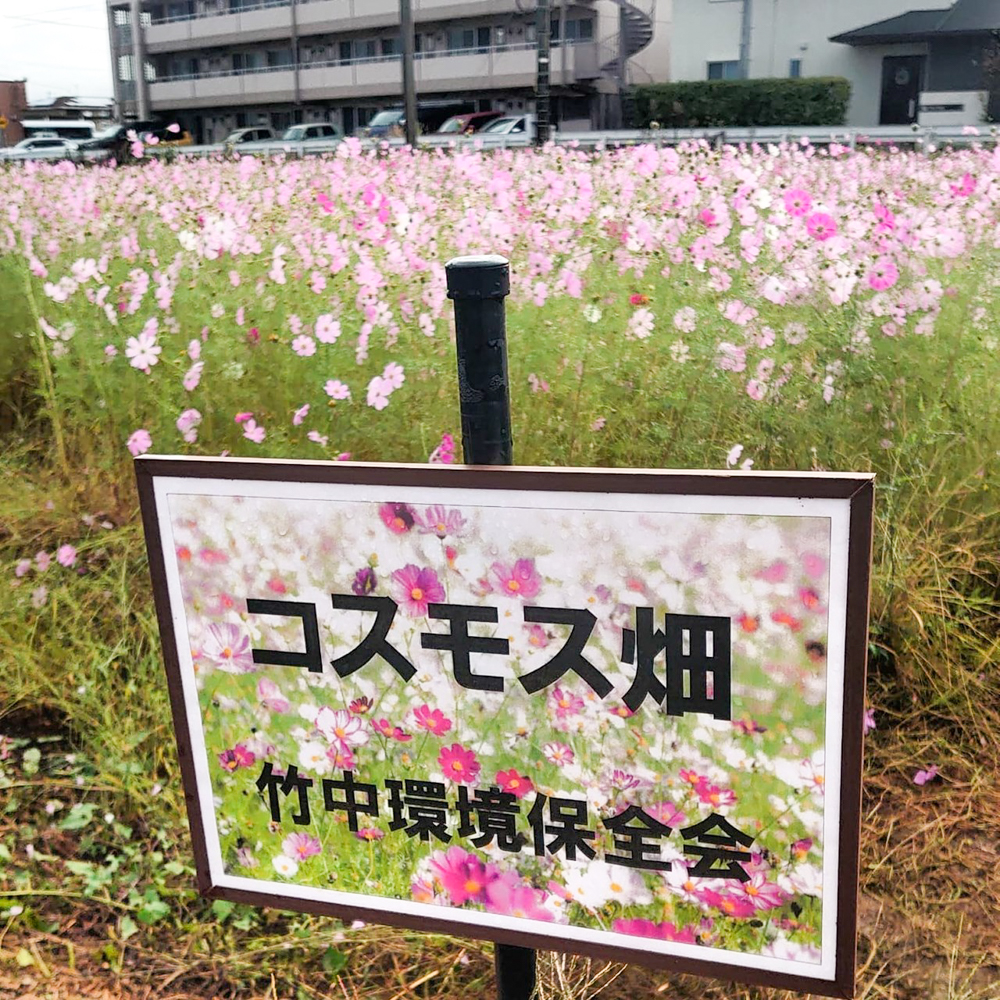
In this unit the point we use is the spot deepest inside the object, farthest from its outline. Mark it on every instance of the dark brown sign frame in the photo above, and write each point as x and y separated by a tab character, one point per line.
857	489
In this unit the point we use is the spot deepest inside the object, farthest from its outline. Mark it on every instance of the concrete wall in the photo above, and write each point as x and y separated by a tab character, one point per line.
709	30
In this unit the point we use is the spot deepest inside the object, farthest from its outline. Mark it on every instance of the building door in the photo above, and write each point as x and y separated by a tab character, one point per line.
901	84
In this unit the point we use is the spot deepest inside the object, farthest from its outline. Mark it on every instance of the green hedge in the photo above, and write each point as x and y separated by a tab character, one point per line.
818	100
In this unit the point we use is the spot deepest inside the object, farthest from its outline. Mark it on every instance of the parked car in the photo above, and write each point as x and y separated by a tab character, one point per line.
386	123
40	148
430	117
512	125
312	132
468	123
255	133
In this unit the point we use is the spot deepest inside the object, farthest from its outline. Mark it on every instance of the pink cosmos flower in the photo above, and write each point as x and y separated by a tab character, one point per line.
341	727
797	202
393	375
304	346
22	567
385	728
239	756
416	587
379	391
242	418
369	833
300	846
341	757
883	275
362	705
763	895
336	389
187	424
869	720
66	555
515	899
685	319
271	696
39	596
459	764
397	517
565	703
715	796
193	376
252	431
775	572
518	785
434	721
300	414
756	389
821	226
518	580
558	753
640	927
321	439
43	561
139	442
667	813
922	777
229	647
442	522
731	906
462	875
327	329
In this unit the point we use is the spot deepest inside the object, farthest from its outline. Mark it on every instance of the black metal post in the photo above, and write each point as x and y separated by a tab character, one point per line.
478	287
409	75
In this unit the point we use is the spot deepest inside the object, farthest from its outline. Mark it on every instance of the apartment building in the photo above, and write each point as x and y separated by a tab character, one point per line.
216	65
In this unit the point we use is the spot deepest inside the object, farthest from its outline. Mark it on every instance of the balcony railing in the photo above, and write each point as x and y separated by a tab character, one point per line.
321	63
197	15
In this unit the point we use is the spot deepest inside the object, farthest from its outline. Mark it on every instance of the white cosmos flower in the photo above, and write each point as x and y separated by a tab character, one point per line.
288	867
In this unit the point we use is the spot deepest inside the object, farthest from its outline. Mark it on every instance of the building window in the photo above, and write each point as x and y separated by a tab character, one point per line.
345	52
366	49
729	70
586	30
461	38
483	39
795	68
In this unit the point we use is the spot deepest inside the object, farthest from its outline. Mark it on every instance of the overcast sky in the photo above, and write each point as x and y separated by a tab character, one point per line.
59	46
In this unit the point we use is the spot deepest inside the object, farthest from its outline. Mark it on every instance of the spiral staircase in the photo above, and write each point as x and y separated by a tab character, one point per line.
635	32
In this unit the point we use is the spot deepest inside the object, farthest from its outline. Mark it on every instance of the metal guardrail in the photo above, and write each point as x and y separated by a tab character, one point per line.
927	139
921	138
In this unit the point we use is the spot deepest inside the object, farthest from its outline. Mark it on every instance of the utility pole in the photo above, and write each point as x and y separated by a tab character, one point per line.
139	60
746	29
543	98
409	75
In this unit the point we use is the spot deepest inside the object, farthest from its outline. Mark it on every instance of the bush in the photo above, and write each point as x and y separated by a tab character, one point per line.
820	100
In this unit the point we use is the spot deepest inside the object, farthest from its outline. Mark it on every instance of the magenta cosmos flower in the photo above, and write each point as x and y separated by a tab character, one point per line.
237	757
761	894
229	647
434	721
440	521
399	518
821	226
139	442
638	927
459	764
797	202
462	875
519	580
516	784
415	588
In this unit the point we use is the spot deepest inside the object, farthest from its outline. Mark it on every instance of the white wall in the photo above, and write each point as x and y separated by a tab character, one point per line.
709	30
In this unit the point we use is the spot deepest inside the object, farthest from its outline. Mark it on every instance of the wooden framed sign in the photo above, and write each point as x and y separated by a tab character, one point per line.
615	713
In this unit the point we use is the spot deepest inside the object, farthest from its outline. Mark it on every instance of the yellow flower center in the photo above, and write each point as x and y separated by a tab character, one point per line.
751	890
339	731
615	887
513	585
398	522
456	765
472	887
441	527
417	594
227	653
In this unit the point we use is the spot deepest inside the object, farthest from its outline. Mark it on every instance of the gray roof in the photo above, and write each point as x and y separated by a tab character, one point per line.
965	17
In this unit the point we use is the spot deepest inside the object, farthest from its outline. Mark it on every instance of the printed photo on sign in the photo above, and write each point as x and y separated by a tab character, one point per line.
603	719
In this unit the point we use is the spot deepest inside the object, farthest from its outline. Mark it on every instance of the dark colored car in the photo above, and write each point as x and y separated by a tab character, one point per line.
114	141
392	121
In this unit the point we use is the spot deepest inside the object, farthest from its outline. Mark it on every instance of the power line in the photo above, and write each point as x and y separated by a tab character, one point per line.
38	20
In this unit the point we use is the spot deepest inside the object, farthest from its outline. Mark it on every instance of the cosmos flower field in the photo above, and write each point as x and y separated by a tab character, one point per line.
769	308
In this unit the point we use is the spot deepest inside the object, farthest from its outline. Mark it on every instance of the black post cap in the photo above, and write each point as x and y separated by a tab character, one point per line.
484	276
